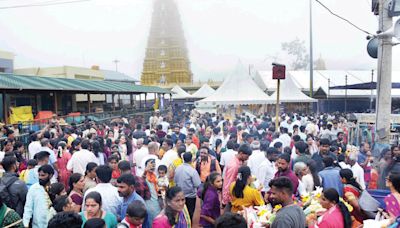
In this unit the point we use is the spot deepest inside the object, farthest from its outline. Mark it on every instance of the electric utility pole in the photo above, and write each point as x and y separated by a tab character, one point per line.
311	54
384	76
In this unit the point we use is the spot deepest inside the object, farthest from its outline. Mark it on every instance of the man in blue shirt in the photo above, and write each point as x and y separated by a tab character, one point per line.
126	189
330	176
188	179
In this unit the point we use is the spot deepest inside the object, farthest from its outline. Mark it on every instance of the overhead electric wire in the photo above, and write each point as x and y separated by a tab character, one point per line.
342	18
46	3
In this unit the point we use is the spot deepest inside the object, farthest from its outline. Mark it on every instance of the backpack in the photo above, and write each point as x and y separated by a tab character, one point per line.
5	193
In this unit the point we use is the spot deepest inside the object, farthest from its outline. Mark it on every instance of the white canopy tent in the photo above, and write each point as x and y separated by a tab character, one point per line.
179	93
321	77
290	93
237	89
204	91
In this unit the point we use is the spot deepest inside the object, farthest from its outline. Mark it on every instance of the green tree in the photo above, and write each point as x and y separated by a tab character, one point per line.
297	49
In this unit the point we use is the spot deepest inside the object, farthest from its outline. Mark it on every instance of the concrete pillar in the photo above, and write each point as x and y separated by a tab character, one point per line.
89	101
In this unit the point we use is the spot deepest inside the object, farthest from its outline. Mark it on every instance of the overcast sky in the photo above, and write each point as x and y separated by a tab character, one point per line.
218	33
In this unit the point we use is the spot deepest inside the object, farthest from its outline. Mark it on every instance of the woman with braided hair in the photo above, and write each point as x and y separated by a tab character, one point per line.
242	194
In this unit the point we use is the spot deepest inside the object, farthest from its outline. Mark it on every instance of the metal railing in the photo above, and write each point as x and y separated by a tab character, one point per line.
26	128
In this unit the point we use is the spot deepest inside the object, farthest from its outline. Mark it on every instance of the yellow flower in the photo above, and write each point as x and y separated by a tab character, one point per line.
277	207
305	198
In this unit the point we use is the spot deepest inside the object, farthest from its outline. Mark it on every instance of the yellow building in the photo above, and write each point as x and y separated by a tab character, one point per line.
71	72
166	58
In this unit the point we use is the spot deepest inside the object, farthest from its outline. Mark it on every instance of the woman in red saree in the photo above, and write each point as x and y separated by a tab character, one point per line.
63	157
351	193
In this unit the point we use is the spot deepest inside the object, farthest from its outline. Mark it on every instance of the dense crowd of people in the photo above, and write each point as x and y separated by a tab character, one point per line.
192	170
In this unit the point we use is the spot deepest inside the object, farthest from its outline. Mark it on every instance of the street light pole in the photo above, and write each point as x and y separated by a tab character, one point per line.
311	53
345	95
116	61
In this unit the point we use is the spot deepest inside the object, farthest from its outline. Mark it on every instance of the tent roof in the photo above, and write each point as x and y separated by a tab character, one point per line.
237	88
204	91
179	93
337	78
289	92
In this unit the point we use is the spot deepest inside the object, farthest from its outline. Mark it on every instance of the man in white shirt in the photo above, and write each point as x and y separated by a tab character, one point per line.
34	146
153	150
266	171
301	133
312	128
140	153
155	120
227	156
256	157
109	194
358	171
275	139
285	137
335	130
215	135
165	125
225	137
297	121
79	160
288	124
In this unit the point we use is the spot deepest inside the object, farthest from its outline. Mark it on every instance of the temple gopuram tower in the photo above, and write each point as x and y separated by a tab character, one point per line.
166	59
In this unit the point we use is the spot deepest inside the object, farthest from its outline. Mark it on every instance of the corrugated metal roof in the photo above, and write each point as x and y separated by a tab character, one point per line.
23	82
110	75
